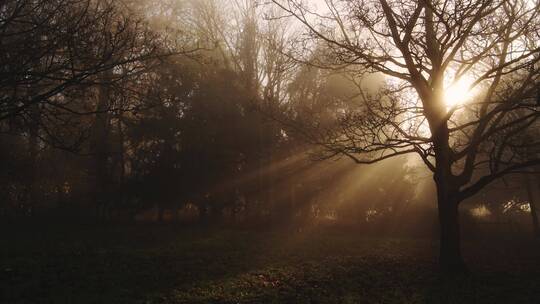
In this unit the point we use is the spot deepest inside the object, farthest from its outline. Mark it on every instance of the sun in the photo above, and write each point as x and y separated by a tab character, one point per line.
458	92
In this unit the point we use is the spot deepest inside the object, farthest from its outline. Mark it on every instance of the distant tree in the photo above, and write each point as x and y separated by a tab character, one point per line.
70	69
251	53
49	47
422	48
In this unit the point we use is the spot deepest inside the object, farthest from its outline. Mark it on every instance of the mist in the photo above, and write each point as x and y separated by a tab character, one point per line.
284	151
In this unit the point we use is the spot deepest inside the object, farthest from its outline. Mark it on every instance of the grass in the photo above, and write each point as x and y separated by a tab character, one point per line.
173	264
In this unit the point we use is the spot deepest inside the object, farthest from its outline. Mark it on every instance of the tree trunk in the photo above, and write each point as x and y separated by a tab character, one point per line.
532	204
450	258
33	152
161	214
101	145
203	215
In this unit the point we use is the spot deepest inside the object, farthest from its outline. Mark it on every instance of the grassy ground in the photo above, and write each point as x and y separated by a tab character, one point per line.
171	264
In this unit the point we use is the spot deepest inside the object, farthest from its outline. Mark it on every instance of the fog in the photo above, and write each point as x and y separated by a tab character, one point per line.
361	122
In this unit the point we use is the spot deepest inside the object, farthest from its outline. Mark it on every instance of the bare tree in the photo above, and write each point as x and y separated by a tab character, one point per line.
52	54
424	48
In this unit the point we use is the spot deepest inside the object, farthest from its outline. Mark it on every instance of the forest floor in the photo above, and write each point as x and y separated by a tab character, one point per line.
173	264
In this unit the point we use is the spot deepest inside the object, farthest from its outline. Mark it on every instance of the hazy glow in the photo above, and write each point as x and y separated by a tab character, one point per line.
459	91
480	211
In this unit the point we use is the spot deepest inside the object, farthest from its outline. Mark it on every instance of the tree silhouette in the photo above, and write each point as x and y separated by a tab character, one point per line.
58	53
422	48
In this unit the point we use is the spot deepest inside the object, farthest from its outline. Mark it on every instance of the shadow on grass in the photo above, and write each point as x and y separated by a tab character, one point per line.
169	264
